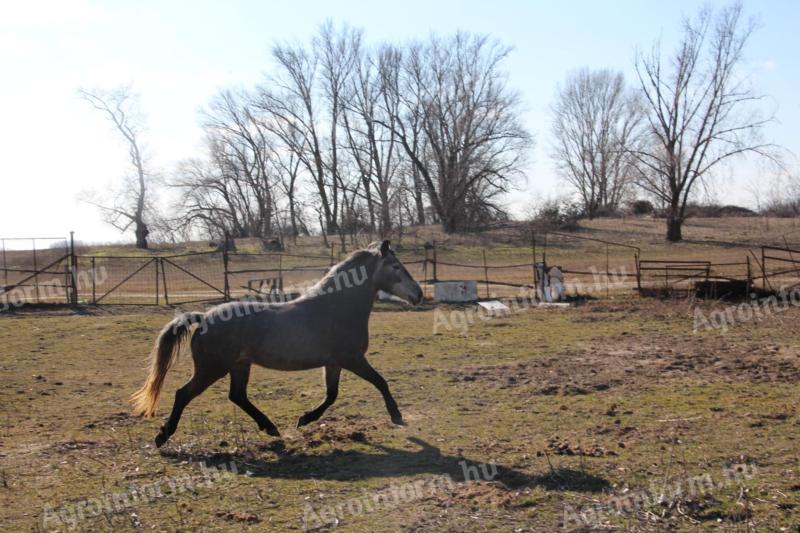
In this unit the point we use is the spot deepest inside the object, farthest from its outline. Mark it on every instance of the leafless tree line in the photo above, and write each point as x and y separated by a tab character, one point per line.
689	113
345	137
597	121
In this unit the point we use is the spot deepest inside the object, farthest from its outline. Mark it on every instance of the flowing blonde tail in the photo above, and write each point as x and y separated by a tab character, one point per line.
164	354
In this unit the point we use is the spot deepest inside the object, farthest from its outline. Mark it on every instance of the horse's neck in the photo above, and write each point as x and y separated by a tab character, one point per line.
350	287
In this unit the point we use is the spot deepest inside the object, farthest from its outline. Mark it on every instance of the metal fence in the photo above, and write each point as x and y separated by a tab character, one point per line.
51	271
35	270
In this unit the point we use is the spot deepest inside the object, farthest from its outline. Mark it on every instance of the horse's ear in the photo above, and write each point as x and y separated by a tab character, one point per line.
385	248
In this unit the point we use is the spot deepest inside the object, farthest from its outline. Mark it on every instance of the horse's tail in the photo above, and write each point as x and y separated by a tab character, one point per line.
165	352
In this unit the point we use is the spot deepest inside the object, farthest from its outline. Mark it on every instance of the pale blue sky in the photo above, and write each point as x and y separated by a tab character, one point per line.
177	54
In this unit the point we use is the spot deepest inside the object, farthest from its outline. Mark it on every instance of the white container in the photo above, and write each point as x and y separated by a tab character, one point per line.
455	291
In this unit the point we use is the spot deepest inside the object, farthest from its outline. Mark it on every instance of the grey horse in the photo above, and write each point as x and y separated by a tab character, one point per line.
327	327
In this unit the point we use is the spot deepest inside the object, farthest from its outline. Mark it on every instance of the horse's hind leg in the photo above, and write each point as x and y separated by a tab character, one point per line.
238	395
332	374
194	387
364	370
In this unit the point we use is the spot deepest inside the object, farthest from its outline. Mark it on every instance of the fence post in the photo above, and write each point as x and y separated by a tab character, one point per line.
608	274
435	277
94	283
332	252
425	267
544	254
638	272
35	271
157	276
486	274
5	265
226	287
749	277
763	269
280	275
73	268
164	281
533	256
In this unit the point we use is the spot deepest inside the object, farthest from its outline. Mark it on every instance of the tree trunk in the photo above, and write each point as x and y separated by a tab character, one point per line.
141	235
418	197
674	228
293	219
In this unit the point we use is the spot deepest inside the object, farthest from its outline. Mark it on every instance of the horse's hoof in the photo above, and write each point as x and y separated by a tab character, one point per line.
273	431
398	420
160	440
302	421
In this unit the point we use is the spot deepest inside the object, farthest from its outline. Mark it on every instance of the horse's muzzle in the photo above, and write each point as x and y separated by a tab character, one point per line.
419	297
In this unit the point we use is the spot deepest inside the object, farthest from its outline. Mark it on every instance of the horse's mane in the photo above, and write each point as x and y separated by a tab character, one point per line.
353	259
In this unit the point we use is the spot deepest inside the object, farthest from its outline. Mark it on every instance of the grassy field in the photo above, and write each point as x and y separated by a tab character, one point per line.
579	417
612	415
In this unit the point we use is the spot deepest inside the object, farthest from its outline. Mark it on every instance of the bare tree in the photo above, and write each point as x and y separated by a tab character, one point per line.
290	111
596	119
698	110
131	204
234	192
474	143
373	147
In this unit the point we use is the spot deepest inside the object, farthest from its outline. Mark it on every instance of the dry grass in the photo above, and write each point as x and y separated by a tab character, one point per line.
577	408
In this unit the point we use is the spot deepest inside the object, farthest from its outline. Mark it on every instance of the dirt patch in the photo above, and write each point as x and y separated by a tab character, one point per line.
627	360
560	446
483	493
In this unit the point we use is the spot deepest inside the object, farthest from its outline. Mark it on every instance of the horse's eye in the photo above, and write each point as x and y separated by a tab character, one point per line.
396	267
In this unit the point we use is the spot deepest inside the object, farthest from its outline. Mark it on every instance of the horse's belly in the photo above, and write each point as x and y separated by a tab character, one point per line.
291	358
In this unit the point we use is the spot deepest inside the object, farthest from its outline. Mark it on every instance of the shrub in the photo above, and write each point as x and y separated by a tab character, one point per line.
642	207
558	214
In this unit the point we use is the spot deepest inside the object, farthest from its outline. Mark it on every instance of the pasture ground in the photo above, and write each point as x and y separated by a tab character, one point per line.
611	415
583	412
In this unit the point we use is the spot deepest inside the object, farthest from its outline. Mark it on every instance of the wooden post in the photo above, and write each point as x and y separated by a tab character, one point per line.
544	253
164	281
5	265
533	256
425	269
486	274
73	269
763	269
435	276
638	272
94	283
607	272
332	252
35	271
749	277
226	287
280	275
157	275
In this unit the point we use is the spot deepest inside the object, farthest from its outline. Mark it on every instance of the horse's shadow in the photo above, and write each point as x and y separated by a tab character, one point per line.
387	462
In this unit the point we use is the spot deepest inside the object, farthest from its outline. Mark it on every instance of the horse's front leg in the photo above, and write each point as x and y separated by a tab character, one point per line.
364	370
332	374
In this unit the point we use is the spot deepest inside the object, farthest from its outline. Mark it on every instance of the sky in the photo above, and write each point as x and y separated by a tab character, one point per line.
56	151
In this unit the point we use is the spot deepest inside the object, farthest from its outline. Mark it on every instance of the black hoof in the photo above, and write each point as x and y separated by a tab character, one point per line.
305	419
398	420
273	431
160	440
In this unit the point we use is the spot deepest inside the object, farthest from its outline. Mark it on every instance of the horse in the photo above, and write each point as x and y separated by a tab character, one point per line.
326	327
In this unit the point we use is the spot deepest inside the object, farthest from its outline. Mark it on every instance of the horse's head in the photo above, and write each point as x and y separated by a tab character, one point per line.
392	277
